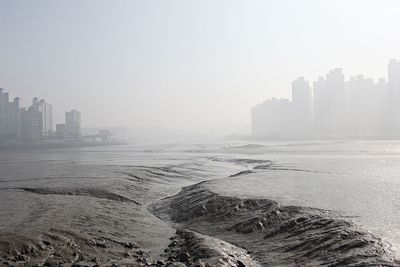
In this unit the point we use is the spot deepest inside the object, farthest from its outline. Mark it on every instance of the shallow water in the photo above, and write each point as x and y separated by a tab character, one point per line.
358	179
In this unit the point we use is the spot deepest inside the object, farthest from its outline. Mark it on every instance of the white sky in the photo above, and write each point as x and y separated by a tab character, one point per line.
193	66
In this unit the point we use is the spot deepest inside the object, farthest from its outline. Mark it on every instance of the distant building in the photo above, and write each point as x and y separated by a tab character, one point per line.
73	123
301	107
336	102
394	92
72	127
61	131
394	74
358	107
15	119
105	135
272	118
34	124
320	101
32	128
10	117
46	110
4	98
362	109
384	101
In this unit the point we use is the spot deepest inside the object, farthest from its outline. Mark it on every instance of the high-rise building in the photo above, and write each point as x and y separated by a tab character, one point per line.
359	107
15	119
71	129
336	102
32	128
3	112
272	118
384	108
46	110
34	124
362	107
73	123
394	92
320	100
10	117
302	107
394	74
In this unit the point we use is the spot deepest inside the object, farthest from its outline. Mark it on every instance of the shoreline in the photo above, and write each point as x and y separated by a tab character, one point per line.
38	146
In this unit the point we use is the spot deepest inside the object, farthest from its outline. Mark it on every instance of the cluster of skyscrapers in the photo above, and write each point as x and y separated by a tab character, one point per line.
334	108
35	123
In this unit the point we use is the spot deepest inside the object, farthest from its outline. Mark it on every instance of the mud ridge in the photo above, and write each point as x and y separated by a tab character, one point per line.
89	192
191	249
273	233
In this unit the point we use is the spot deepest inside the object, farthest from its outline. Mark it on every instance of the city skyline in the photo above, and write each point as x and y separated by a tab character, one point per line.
334	107
34	123
187	66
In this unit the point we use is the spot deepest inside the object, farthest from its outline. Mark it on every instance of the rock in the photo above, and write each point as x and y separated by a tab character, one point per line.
160	263
95	260
260	226
176	264
101	243
171	258
22	258
51	262
184	257
83	264
173	244
34	263
129	245
240	264
199	263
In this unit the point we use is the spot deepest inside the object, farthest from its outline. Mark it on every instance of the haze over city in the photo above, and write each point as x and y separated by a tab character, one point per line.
185	66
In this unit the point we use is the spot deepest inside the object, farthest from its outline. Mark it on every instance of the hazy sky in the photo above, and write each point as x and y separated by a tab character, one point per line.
195	66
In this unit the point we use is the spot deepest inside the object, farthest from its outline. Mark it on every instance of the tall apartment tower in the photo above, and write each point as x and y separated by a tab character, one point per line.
15	119
73	123
385	108
363	109
320	100
46	110
3	112
272	118
394	92
301	107
32	125
10	117
336	102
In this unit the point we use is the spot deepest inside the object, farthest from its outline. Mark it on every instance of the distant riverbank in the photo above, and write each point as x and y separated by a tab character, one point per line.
53	145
